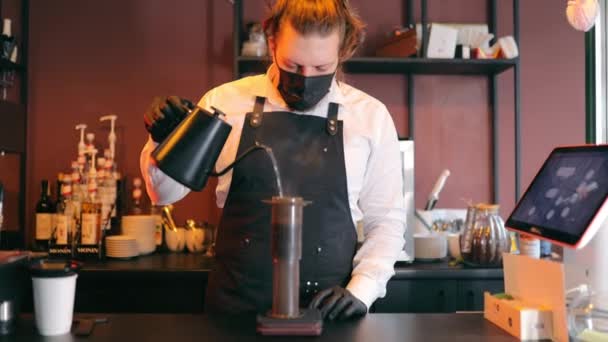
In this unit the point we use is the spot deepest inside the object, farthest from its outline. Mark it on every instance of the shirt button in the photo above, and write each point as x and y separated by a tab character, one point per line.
319	250
325	149
308	283
246	242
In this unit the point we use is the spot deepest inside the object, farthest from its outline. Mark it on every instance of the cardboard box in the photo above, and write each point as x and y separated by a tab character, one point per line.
442	41
401	45
522	320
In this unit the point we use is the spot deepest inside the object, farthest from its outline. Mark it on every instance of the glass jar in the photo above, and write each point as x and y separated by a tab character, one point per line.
487	237
588	315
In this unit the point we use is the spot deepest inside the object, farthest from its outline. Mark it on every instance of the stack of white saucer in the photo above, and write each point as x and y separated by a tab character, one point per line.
121	246
143	229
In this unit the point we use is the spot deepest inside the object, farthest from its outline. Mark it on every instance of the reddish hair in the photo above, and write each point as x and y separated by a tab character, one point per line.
321	17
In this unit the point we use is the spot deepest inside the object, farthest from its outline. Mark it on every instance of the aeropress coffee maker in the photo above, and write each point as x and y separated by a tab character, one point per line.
188	155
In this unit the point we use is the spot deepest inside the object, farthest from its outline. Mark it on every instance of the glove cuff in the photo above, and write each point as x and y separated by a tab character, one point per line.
364	289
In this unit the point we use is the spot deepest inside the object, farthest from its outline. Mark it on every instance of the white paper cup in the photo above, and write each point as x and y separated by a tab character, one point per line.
454	245
54	304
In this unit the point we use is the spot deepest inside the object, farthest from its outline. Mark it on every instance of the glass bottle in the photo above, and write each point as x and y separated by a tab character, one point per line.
64	222
110	195
44	218
137	209
90	223
466	239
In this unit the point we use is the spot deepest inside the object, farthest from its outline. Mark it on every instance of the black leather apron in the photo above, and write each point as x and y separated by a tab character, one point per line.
310	154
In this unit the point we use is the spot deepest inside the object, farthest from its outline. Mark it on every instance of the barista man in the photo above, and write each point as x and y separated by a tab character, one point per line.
335	145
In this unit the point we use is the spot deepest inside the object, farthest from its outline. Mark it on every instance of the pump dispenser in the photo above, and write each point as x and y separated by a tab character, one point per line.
81	145
112	136
93	170
90	146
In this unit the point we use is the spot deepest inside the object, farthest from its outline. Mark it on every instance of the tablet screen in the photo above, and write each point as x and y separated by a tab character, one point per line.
565	195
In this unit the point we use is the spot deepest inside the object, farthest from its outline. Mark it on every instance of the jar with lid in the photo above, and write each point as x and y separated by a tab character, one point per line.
487	238
587	314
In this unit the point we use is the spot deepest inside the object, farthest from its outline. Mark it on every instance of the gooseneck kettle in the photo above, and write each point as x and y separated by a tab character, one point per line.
189	153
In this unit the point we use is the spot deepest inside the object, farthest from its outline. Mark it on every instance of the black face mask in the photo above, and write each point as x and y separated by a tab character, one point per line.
303	92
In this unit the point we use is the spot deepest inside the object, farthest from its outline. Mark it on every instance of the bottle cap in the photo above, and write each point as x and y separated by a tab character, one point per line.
6	28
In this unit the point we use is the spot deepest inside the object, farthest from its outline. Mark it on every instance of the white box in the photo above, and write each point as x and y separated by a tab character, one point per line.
442	41
537	286
523	320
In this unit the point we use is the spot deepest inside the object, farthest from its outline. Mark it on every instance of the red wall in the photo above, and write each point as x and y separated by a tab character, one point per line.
91	58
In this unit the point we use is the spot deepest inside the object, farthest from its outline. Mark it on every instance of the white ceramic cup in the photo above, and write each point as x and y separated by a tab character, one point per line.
454	245
54	304
430	246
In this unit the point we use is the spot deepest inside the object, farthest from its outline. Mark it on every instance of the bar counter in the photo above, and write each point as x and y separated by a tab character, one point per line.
176	283
373	327
188	263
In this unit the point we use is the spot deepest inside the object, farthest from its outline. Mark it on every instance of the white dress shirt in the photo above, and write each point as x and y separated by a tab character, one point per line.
372	160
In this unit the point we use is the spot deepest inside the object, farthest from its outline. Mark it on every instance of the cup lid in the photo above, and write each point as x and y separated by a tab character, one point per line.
45	268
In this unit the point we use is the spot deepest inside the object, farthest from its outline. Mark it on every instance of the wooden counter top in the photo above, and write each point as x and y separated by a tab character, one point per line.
373	327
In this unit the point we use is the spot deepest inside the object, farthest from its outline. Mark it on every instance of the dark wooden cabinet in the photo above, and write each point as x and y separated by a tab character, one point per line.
142	293
185	293
418	296
176	283
435	295
470	293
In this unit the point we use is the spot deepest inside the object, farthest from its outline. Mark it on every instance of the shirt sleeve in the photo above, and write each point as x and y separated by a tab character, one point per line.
384	216
161	188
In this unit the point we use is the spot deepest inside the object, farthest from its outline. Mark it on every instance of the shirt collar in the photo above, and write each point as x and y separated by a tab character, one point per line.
271	93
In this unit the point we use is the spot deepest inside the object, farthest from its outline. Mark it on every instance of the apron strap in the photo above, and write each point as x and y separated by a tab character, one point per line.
332	119
256	117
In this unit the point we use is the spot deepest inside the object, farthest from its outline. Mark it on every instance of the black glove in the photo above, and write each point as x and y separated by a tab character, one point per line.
164	114
338	302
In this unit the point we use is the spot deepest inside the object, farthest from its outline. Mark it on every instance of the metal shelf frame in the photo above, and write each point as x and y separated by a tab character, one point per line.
425	66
